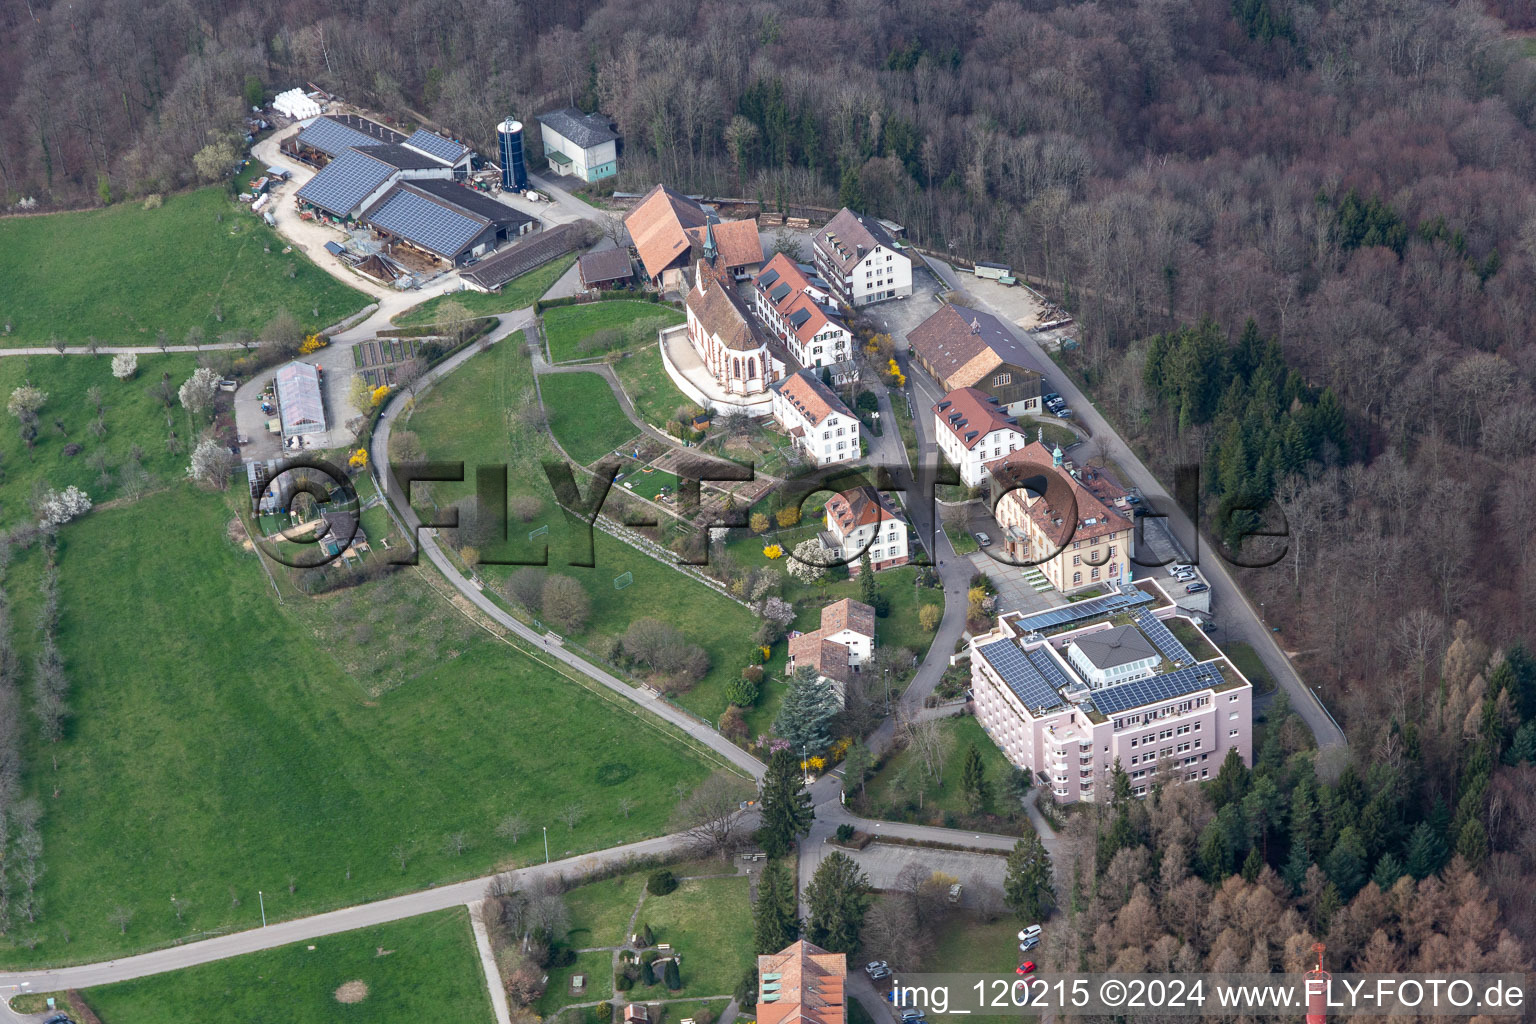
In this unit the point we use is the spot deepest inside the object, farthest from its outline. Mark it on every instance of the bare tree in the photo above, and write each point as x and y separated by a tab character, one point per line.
455	843
625	806
121	916
571	814
710	816
511	828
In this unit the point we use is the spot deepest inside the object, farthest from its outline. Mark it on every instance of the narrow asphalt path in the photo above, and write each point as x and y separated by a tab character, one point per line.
426	540
304	929
1240	619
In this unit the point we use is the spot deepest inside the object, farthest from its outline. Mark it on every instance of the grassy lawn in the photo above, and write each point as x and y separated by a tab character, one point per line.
1247	661
598	967
1193	639
472	415
517	293
600	911
708	921
131	416
123	273
938	801
431	970
1056	431
650	390
307	749
584	416
960	539
966	944
565	327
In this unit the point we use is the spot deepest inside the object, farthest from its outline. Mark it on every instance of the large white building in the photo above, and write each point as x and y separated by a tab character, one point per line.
864	519
584	145
816	420
794	307
858	258
973	429
1067	707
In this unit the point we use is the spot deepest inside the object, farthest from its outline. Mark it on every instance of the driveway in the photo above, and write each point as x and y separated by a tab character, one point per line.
1240	619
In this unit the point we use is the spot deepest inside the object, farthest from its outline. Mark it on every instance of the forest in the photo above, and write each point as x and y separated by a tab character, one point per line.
1299	239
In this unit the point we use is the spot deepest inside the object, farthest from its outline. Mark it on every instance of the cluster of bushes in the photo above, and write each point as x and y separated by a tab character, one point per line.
561	600
541	305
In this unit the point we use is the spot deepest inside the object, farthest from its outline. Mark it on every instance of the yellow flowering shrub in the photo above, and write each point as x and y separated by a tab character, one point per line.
773	551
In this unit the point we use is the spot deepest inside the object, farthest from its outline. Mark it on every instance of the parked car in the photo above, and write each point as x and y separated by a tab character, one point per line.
1032	932
1186	577
879	975
1052	396
876	965
1029	944
1027	967
1197	588
58	1018
983	540
1141	510
1063	414
911	1014
1178	567
229	385
1133	499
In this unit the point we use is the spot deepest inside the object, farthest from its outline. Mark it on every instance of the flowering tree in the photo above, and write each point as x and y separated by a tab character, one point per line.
125	365
810	563
25	401
197	391
773	551
776	609
211	463
59	507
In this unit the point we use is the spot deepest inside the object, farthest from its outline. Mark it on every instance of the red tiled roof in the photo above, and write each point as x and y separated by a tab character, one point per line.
795	300
608	265
658	226
1094	496
667	224
805	391
848	614
811	986
971	415
813	650
720	311
861	506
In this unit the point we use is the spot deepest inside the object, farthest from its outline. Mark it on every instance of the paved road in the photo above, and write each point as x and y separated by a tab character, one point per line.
307	928
427	542
1240	620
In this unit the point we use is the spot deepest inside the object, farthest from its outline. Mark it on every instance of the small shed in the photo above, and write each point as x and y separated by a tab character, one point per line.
610	268
335	249
993	271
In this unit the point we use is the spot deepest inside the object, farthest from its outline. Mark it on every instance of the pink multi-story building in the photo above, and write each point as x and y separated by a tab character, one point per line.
1118	688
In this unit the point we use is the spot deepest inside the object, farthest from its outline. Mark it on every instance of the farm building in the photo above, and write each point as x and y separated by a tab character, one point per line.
584	145
449	222
667	227
962	347
490	274
607	269
405	188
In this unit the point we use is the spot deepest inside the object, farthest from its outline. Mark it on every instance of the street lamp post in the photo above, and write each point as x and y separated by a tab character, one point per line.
263	901
546	843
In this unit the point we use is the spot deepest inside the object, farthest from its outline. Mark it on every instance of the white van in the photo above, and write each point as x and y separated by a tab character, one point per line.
1032	932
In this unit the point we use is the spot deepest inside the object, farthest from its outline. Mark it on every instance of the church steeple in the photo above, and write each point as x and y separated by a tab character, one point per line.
1056	456
710	252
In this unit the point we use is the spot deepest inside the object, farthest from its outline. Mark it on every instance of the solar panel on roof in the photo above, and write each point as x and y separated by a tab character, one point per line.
1047	667
345	182
422	222
1022	678
1093	608
430	142
777	295
799	317
331	137
767	279
1112	700
1163	639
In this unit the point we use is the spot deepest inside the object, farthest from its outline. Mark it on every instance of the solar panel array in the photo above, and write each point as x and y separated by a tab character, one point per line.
430	142
330	137
799	317
1021	676
422	222
1047	667
766	280
1111	700
1163	639
345	182
1093	608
